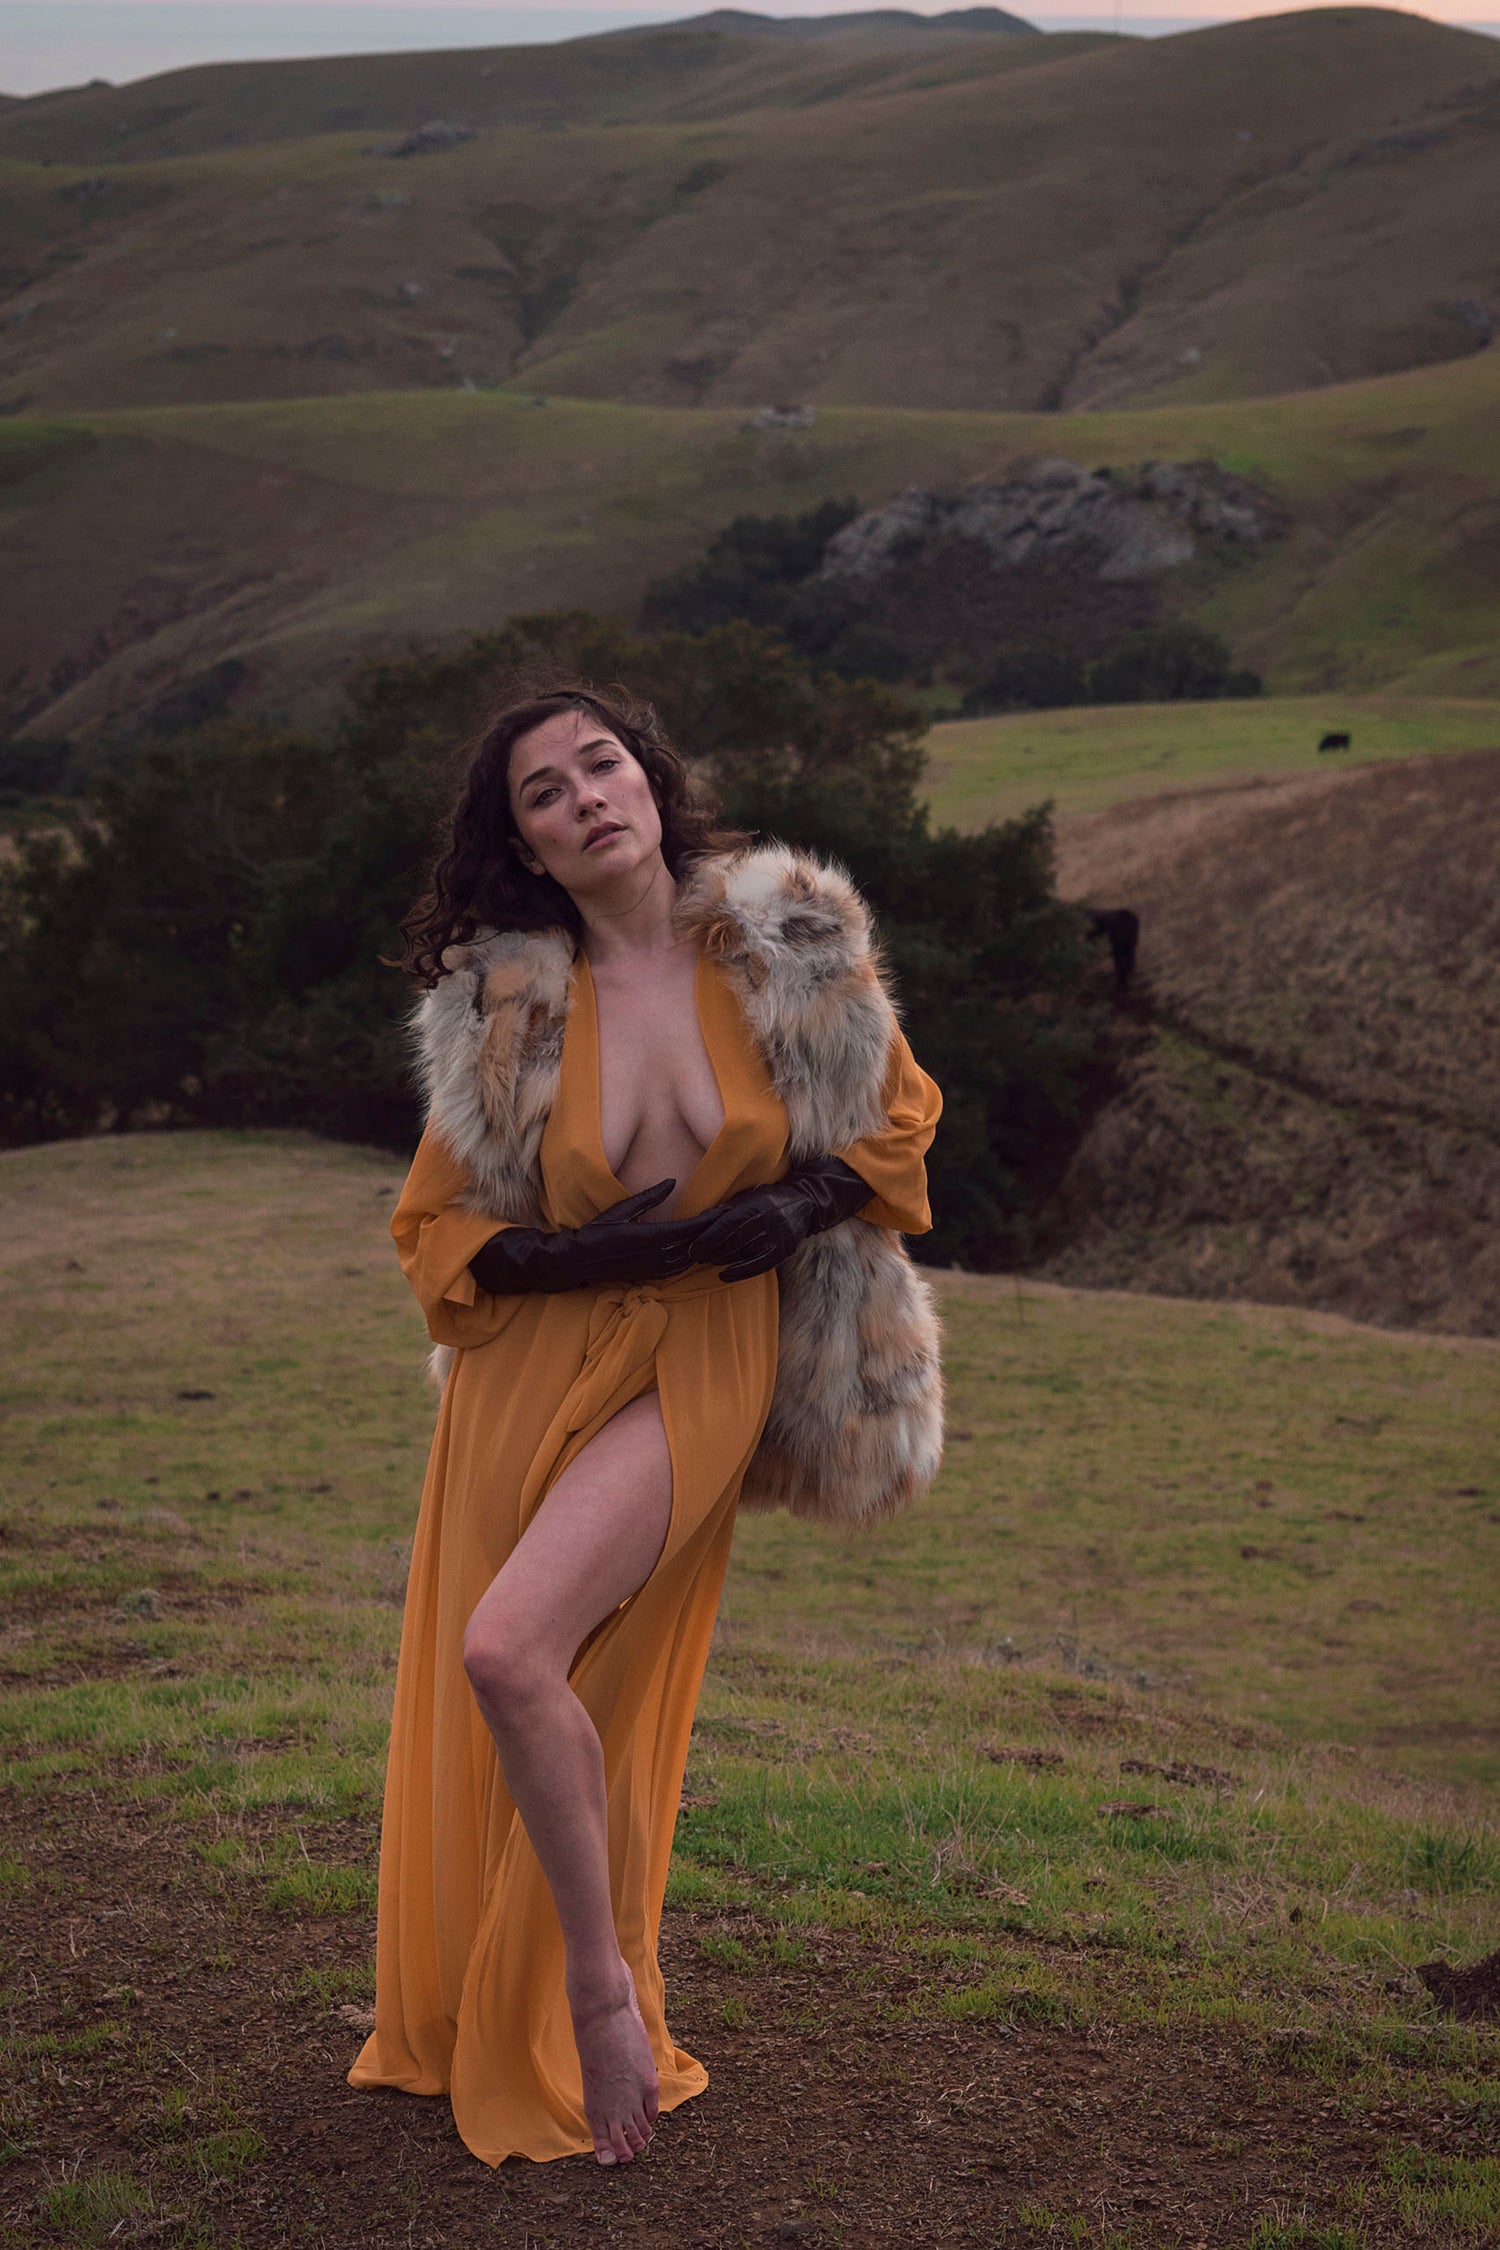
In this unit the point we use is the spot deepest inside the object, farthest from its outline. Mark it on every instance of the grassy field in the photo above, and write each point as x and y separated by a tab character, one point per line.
1083	760
1163	1721
1110	1460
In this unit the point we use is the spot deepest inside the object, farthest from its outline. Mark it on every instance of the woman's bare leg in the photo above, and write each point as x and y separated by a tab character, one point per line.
593	1542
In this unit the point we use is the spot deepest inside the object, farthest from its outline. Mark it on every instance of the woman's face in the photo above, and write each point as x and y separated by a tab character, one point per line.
582	806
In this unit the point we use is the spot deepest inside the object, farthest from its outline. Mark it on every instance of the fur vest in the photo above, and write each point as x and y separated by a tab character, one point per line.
855	1424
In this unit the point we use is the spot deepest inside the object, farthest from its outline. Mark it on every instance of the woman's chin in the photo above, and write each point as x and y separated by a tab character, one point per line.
609	865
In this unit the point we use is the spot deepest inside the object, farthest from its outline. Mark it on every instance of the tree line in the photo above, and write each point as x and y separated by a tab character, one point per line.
207	941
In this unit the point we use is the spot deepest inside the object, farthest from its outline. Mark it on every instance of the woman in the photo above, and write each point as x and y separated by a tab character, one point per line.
672	1129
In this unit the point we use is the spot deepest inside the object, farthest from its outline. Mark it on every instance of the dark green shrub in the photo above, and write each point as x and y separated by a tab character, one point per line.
1011	637
1168	663
752	571
37	766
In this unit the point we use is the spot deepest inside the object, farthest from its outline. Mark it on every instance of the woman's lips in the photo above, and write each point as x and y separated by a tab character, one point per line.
602	836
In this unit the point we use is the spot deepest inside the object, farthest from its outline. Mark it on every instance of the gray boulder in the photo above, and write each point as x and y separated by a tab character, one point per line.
1123	523
428	140
782	418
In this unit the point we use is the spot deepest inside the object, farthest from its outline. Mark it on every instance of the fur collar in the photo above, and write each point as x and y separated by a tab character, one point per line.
795	938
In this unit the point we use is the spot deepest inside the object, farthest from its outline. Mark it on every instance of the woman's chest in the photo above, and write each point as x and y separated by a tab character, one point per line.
657	1085
580	1174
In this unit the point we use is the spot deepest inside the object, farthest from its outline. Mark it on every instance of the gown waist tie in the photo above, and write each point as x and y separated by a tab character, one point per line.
626	1326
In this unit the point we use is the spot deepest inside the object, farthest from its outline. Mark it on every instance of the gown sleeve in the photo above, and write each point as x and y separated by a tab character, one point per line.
435	1236
890	1159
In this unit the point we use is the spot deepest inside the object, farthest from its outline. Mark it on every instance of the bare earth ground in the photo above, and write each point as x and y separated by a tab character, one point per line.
828	2120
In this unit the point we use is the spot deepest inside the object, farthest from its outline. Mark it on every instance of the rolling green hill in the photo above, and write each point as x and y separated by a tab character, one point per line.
700	218
1303	1098
1091	758
145	547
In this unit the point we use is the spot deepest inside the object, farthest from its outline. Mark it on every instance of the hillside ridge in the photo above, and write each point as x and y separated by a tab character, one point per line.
1041	224
1306	1098
896	23
639	70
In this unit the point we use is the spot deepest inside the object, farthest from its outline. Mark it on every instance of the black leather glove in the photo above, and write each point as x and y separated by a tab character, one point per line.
761	1226
611	1247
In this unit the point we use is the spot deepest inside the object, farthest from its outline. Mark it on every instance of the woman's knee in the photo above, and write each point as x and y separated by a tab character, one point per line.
507	1668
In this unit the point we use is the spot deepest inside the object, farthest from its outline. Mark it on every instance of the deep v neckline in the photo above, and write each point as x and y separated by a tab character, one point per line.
596	1085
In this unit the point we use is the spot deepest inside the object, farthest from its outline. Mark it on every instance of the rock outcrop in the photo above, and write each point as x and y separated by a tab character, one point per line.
781	418
1124	523
428	140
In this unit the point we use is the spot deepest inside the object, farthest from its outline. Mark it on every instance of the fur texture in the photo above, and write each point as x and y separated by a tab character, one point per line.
855	1425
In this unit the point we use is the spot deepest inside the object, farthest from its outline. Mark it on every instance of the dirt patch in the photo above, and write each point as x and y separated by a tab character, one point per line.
846	2106
1472	1993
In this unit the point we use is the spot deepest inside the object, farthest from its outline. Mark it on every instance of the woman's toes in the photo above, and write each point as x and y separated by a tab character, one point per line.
621	2092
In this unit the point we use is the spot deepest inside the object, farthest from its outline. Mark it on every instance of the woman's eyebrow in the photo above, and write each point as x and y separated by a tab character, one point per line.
582	750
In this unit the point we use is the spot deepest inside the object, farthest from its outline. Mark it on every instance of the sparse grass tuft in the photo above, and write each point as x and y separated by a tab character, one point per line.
311	1889
225	2155
1272	2233
90	2209
327	1986
1450	1860
1459	2196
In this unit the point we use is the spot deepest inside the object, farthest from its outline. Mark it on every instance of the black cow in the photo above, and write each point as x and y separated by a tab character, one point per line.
1334	742
1122	929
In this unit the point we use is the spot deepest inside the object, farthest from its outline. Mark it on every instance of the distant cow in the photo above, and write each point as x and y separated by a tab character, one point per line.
1122	929
1334	742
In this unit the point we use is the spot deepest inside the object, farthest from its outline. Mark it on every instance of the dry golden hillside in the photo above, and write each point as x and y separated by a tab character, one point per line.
692	218
1310	1102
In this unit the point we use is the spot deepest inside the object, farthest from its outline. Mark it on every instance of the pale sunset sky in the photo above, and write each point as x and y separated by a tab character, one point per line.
48	43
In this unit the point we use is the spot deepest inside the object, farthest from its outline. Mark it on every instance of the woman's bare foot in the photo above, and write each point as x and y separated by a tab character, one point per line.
620	2085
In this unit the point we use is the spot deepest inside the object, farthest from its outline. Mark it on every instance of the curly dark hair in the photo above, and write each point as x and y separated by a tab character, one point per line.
477	882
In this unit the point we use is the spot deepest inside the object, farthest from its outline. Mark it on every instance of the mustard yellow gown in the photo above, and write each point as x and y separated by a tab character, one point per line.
469	1976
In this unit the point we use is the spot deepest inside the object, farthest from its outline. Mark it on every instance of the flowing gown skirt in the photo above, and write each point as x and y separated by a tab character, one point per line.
470	1997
